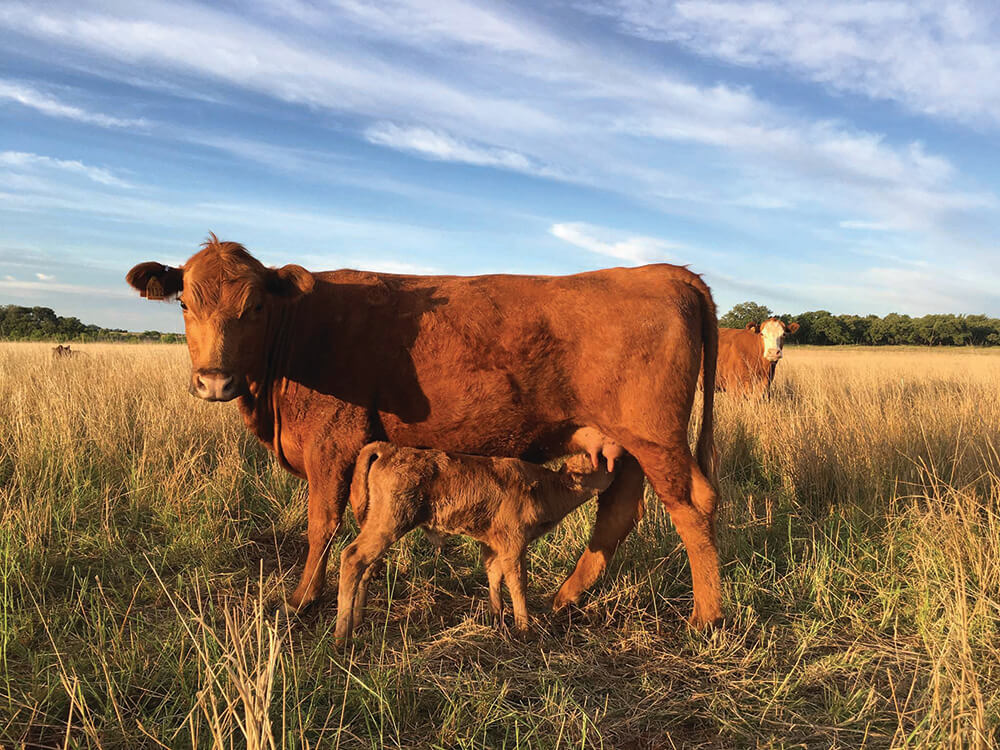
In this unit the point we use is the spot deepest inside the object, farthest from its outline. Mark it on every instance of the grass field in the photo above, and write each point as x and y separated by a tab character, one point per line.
146	538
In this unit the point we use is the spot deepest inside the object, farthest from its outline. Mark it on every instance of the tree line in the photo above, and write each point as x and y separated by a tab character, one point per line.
817	327
822	328
42	324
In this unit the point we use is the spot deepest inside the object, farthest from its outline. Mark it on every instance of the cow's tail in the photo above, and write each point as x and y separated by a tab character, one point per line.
359	483
706	454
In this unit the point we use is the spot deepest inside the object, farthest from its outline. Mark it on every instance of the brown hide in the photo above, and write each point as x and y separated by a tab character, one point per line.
503	503
491	365
742	367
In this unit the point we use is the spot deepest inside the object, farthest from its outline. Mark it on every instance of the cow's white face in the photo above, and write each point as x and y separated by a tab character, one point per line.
773	331
773	334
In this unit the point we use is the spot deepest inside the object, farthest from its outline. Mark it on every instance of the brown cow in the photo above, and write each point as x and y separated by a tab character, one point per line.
58	352
492	365
504	503
749	356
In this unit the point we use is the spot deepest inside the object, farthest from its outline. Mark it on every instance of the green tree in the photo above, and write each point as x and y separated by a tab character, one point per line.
743	313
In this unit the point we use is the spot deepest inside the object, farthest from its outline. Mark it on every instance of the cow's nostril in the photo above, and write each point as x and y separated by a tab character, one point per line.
214	386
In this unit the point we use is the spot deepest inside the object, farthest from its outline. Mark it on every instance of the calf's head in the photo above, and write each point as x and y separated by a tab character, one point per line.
772	332
228	298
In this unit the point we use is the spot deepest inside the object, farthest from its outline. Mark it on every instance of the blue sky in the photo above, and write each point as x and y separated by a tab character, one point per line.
806	155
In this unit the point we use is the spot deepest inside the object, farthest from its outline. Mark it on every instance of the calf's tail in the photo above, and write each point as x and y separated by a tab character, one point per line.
359	483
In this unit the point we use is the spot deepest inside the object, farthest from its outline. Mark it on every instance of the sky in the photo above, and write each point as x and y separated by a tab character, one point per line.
803	154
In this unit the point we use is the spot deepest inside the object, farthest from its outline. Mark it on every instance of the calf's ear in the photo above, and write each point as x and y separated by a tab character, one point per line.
792	327
752	327
289	282
156	281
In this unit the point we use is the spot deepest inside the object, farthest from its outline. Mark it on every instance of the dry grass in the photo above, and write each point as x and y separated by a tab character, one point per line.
145	539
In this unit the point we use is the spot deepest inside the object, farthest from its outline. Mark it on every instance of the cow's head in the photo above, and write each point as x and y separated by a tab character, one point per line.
228	298
773	332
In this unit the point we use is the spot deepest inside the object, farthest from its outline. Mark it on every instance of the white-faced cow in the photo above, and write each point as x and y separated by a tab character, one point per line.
749	356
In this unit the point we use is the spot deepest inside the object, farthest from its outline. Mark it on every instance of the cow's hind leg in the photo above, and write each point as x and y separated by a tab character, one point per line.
619	508
690	499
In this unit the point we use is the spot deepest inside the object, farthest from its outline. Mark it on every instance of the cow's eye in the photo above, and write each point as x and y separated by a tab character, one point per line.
183	305
258	307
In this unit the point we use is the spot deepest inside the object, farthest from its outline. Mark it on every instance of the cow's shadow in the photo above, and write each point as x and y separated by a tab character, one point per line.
354	343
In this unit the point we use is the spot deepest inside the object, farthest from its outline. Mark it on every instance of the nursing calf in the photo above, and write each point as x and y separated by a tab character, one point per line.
504	503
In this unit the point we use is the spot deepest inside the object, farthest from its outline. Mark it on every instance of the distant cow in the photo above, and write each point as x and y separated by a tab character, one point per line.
504	503
514	366
749	356
58	352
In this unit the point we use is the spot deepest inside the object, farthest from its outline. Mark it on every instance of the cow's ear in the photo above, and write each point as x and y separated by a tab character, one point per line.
156	281
290	282
752	327
791	327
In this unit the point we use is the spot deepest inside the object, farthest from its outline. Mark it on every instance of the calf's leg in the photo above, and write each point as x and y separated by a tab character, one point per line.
355	562
361	598
515	573
494	573
619	508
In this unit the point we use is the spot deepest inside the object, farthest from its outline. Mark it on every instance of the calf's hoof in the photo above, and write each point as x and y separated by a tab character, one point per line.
524	633
564	599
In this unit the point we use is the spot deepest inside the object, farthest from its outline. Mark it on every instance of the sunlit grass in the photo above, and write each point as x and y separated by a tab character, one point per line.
145	539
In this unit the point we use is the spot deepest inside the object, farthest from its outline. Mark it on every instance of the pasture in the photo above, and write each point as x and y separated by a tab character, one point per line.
146	540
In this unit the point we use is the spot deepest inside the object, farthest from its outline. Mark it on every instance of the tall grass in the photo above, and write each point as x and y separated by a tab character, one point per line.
146	539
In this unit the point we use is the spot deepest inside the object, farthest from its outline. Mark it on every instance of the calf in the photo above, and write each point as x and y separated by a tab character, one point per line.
504	503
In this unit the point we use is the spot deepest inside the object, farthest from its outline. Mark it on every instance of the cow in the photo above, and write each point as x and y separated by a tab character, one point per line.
503	503
749	356
503	365
58	352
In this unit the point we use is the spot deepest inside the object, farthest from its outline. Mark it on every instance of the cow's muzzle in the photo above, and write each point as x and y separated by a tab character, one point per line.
214	385
773	356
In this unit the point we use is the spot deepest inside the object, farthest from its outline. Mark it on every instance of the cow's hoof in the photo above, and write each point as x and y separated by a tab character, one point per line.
296	608
705	624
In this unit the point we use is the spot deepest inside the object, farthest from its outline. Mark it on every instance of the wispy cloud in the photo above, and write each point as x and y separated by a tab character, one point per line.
46	288
870	226
27	96
44	277
27	161
939	59
433	144
633	249
447	22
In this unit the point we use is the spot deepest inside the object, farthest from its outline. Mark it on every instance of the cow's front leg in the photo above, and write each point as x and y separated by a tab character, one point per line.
329	488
